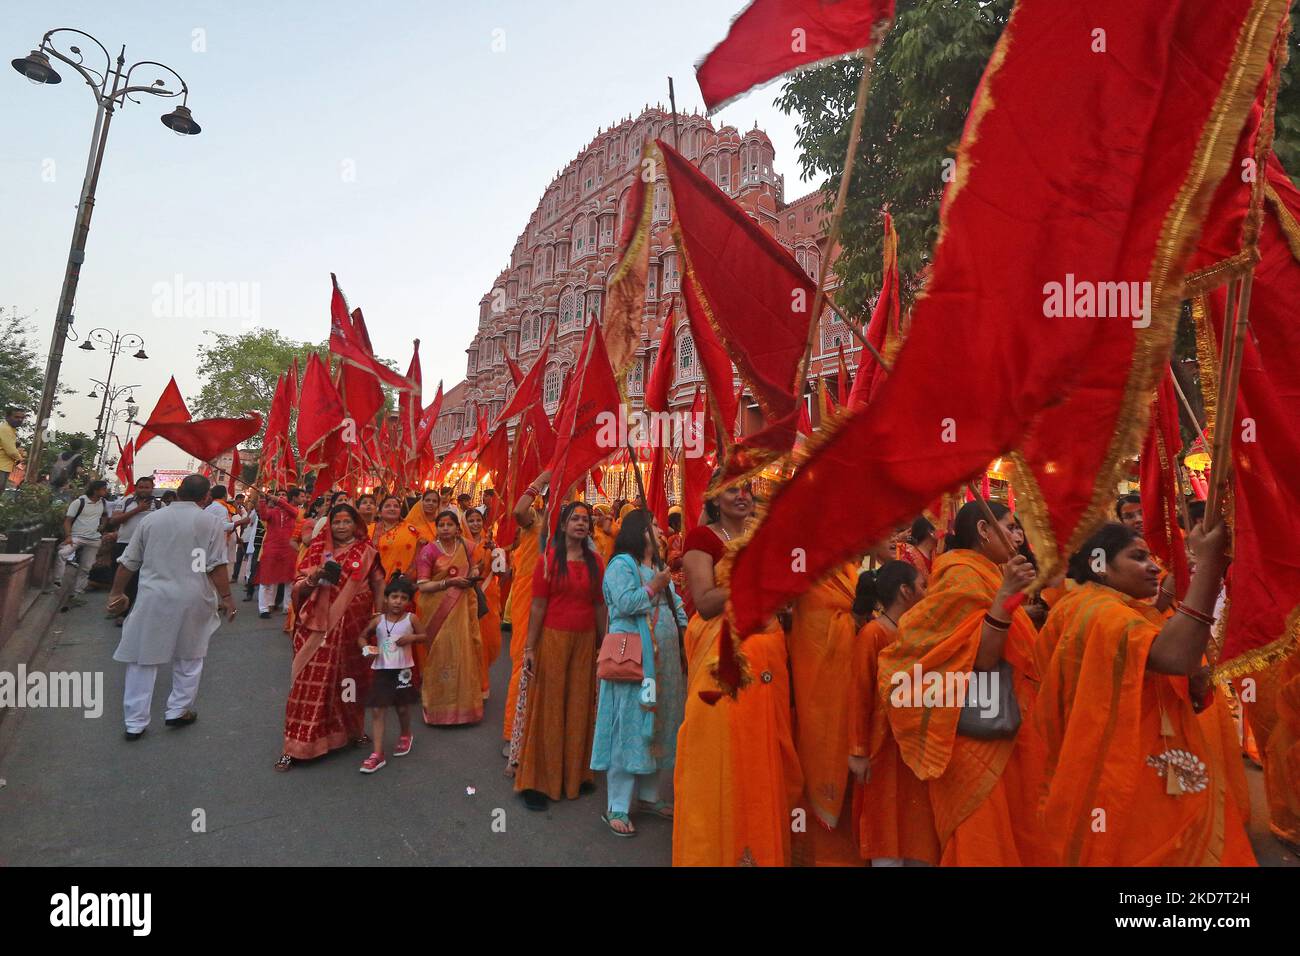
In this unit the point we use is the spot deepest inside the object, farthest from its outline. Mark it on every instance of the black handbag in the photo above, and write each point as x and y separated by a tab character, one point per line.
482	601
1001	725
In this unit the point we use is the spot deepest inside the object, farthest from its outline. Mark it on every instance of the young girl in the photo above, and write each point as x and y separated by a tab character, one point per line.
395	631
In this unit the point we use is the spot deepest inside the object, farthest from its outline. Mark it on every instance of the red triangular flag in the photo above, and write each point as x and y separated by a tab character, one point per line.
170	408
208	438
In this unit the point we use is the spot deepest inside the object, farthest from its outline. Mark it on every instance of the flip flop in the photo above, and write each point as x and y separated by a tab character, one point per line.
659	808
609	819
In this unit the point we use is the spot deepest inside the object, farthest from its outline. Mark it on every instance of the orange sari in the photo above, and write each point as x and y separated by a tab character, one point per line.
821	654
1273	717
524	561
893	807
396	547
489	625
1134	776
737	777
450	689
983	792
425	528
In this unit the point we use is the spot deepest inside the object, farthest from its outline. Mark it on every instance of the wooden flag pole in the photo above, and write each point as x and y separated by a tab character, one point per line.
1229	380
1187	406
837	213
672	102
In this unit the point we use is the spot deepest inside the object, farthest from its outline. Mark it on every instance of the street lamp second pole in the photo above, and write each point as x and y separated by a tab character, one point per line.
111	87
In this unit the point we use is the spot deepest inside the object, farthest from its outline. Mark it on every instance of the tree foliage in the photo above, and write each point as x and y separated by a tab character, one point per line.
239	372
1286	137
922	83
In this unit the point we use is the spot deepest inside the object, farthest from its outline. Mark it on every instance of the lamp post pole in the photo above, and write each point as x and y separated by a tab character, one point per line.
111	87
116	342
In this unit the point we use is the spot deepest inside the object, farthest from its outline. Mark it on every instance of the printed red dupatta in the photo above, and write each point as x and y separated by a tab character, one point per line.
323	608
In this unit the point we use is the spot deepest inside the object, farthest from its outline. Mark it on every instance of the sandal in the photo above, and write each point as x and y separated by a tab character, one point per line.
284	763
613	818
660	808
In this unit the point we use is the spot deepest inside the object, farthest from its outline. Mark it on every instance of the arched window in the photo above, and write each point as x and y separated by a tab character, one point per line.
580	238
686	359
551	386
636	377
566	311
661	201
593	309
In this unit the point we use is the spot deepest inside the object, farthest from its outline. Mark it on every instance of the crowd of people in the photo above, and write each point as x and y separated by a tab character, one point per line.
917	707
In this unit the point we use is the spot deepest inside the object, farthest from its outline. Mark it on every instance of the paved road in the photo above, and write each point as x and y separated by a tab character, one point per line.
77	793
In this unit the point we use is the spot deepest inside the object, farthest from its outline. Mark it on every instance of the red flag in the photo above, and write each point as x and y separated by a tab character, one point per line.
494	458
696	468
625	298
210	437
771	38
884	324
1017	255
749	290
661	376
1264	580
656	487
320	412
428	420
126	465
170	408
275	441
529	388
1160	494
582	439
408	403
345	343
805	420
516	373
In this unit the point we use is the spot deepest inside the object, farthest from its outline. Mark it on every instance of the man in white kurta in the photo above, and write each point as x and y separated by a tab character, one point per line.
180	555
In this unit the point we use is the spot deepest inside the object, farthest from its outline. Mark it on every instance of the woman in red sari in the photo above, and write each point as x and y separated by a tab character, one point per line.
329	619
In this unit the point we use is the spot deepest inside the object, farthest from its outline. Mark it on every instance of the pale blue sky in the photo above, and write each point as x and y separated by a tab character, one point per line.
385	141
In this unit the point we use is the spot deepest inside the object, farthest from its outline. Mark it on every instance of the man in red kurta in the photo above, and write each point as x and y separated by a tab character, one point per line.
279	514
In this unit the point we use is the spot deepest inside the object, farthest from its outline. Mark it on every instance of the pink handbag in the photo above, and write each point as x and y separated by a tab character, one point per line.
619	659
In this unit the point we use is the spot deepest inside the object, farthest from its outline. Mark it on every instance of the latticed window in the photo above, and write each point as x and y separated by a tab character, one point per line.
566	311
686	359
833	332
551	386
636	378
593	307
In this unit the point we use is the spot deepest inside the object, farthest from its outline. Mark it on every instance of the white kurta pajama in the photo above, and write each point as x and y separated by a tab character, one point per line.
176	608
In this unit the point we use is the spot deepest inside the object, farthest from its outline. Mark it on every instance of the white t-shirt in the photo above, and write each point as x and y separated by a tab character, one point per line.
127	528
86	515
390	656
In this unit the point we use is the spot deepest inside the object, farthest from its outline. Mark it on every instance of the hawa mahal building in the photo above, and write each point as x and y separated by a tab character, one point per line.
562	261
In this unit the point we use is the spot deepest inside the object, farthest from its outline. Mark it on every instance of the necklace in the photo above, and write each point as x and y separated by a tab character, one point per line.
889	619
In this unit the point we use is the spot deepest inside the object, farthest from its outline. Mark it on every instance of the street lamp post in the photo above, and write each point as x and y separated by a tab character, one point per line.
111	88
106	415
111	424
116	342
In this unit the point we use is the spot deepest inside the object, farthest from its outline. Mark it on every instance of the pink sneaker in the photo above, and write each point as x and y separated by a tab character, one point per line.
403	746
373	763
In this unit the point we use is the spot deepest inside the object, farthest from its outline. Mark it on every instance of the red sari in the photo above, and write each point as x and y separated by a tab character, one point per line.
323	713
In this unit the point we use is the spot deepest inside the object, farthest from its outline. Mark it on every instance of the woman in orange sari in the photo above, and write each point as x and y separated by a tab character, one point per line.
423	517
523	561
489	625
450	689
891	806
319	716
820	644
983	789
1140	763
397	541
737	777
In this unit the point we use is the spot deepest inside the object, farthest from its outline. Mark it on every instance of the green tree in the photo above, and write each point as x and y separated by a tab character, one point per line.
21	371
922	83
1286	136
239	371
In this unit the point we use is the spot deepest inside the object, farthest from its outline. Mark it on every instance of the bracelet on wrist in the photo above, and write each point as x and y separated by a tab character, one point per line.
1194	614
997	625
